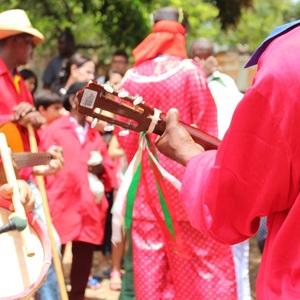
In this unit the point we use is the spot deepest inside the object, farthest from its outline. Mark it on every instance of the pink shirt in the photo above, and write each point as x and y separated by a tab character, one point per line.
75	213
256	172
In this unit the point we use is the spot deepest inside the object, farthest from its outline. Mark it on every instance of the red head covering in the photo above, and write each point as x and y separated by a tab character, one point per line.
167	37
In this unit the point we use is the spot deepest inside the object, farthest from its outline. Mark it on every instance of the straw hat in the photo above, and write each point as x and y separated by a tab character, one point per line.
16	21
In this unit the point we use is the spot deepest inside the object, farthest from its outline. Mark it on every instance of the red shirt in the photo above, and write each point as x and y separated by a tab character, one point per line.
74	211
10	97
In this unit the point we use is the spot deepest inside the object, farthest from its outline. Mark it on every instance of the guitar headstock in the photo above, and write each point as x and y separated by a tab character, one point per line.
103	102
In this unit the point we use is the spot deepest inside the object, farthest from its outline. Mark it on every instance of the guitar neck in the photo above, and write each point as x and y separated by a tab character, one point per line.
29	159
207	141
130	112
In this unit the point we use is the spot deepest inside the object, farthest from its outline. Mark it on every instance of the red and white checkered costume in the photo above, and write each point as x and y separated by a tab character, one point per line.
208	271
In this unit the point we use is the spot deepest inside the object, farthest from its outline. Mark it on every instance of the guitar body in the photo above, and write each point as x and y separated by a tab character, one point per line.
13	137
15	143
20	158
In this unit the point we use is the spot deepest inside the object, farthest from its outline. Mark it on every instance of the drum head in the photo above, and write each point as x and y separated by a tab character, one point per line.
20	275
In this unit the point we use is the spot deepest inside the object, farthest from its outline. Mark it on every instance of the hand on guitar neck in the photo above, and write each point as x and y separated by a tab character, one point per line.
25	113
43	163
176	143
103	102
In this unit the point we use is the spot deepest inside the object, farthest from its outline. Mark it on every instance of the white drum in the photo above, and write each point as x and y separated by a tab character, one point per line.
20	275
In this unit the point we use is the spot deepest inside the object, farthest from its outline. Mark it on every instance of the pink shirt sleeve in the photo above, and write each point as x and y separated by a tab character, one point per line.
252	174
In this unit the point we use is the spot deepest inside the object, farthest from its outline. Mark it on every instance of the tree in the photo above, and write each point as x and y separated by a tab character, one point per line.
255	21
101	26
96	23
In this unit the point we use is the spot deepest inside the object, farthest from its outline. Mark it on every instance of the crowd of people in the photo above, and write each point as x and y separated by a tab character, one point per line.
186	214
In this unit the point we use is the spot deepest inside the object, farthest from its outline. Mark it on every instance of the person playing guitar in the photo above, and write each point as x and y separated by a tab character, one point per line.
18	39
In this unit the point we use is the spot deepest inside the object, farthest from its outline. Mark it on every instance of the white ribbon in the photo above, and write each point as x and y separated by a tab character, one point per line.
118	206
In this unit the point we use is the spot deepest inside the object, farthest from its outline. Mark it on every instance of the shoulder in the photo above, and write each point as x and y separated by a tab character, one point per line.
54	126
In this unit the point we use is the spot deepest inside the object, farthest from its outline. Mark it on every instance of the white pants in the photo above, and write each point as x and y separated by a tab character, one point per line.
241	261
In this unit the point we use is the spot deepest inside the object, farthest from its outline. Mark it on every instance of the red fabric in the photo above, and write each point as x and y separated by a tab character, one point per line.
256	172
75	214
167	38
166	82
9	97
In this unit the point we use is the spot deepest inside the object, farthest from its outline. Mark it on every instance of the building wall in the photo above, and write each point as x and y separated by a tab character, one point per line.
231	63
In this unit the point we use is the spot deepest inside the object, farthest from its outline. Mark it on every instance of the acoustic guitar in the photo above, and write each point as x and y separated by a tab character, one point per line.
103	102
20	158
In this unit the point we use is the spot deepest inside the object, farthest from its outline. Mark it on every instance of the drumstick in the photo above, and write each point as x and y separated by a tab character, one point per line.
41	186
18	206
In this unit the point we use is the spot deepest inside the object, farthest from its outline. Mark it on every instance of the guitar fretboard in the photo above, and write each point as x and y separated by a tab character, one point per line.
29	159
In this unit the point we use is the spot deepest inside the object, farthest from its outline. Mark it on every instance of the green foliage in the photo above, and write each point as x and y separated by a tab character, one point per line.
294	12
99	26
102	26
256	23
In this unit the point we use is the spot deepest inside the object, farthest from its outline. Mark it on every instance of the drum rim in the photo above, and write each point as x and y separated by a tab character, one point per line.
42	234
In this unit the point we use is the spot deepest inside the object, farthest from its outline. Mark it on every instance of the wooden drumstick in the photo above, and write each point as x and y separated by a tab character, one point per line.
18	206
41	186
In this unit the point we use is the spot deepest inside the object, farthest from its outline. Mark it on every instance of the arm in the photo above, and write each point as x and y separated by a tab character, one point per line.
114	148
176	143
251	175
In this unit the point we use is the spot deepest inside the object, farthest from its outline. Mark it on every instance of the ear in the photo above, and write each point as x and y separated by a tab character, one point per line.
73	69
73	101
41	109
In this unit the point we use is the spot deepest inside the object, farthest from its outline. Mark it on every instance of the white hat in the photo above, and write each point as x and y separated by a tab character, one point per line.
16	21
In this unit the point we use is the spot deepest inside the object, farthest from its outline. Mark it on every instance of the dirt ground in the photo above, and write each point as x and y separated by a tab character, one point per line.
101	294
106	294
254	261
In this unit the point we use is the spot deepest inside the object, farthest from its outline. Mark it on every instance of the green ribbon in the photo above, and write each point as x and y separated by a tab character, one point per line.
160	189
164	206
131	196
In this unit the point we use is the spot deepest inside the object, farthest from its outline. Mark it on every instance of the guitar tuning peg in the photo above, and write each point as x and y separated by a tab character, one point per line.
124	132
123	94
94	122
109	127
138	99
108	87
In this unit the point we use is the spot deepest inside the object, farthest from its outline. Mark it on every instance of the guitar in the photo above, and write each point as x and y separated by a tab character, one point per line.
20	158
102	101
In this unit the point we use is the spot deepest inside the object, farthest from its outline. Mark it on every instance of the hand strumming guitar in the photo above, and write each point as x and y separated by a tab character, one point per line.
26	195
176	143
26	113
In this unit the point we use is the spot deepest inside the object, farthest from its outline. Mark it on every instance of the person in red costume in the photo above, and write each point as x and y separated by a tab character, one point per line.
255	171
165	78
18	39
78	206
